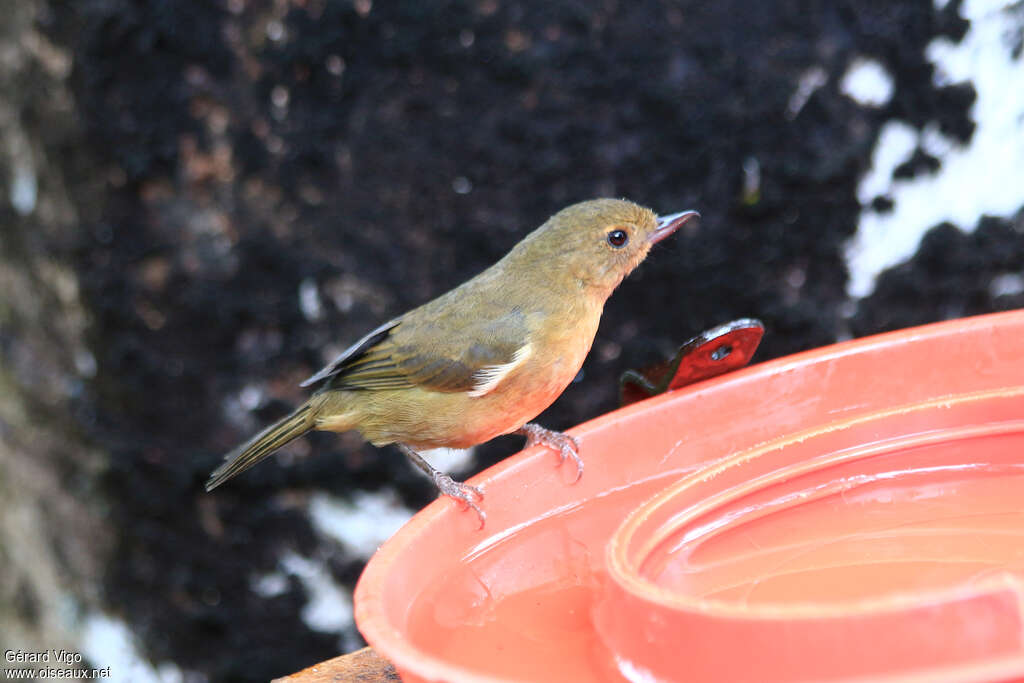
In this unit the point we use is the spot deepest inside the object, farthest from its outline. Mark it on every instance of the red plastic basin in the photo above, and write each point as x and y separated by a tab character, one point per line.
852	512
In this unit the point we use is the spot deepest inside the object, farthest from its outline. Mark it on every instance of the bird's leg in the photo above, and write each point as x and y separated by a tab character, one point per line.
446	485
565	445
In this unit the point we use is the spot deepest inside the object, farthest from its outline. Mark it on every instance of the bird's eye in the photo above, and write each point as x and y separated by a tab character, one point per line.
618	238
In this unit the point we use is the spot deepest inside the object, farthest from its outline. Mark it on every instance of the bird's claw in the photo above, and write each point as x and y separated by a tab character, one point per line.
565	445
462	492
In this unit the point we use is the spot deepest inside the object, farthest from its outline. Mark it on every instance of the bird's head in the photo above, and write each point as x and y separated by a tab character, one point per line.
599	242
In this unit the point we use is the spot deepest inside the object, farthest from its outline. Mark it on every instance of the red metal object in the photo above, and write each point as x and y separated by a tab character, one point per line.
710	354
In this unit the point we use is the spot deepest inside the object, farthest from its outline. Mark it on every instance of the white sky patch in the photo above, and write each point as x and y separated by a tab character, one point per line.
108	642
867	82
24	189
329	609
449	459
896	142
269	585
361	524
309	300
1007	284
810	80
983	178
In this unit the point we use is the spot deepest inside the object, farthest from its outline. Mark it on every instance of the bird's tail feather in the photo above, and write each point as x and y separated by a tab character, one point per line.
263	444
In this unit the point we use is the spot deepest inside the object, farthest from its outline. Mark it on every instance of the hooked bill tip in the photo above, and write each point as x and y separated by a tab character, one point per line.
672	222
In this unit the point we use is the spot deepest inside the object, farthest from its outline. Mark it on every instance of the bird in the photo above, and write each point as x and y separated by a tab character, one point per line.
483	359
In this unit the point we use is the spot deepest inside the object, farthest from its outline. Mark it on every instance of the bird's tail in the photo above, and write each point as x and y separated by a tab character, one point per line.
263	444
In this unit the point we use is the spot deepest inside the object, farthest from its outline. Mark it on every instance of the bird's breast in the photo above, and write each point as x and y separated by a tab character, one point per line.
559	346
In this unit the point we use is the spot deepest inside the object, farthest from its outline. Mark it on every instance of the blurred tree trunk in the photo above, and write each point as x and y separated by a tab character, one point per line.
51	536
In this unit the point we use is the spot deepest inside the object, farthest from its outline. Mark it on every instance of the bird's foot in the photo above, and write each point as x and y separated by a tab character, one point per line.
448	486
565	445
462	492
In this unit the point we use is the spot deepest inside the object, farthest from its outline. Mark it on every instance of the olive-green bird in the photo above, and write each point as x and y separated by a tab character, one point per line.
483	359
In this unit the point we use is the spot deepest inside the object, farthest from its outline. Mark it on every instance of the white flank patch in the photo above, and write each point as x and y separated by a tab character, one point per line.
867	82
363	523
486	379
108	642
983	178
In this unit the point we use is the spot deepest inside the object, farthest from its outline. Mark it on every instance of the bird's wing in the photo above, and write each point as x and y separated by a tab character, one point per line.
430	352
352	353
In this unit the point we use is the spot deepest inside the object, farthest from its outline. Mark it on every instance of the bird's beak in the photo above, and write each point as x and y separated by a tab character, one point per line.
669	224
